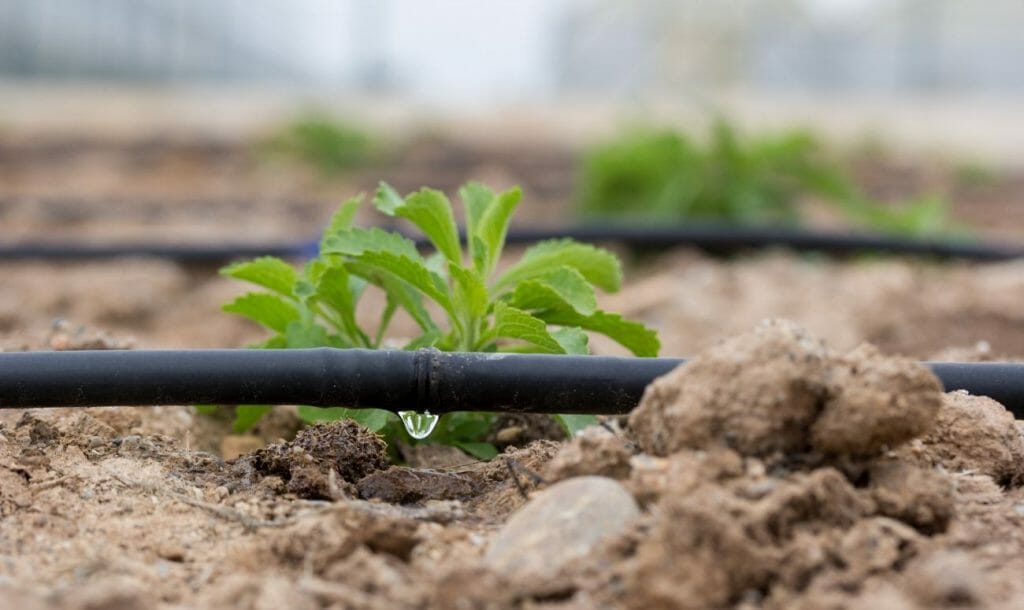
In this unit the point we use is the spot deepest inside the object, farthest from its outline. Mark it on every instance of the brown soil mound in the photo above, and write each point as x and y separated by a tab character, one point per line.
778	390
781	488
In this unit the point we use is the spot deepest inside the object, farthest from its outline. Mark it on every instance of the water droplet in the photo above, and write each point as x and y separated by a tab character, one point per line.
418	425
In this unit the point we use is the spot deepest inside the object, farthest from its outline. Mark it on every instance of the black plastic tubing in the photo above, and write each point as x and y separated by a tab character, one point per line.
424	380
717	239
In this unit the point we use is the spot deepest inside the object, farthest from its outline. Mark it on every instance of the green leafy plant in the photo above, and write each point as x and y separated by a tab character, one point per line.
543	303
917	217
664	174
324	142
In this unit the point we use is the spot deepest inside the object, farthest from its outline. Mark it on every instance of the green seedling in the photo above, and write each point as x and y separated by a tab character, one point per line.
459	300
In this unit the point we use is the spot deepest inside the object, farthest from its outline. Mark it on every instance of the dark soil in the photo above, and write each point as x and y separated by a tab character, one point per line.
320	459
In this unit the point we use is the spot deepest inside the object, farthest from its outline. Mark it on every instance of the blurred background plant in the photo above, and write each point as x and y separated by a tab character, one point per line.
326	143
730	177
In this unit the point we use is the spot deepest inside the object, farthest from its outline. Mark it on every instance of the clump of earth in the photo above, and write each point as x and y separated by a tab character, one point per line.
768	472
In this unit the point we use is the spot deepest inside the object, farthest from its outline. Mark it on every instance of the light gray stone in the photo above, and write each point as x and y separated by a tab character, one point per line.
562	523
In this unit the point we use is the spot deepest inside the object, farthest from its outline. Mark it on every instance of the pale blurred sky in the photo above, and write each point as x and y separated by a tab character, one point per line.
471	52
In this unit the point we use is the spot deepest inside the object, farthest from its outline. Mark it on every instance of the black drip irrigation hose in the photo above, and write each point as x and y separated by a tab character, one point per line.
423	380
716	239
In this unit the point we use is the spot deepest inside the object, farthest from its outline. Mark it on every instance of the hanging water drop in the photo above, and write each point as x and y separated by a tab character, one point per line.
418	425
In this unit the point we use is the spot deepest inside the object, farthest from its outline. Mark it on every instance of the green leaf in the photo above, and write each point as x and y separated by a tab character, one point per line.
342	219
437	263
276	342
385	320
354	242
266	271
494	224
478	253
409	299
427	339
563	288
512	323
410	270
430	211
476	198
264	308
246	417
470	291
464	425
599	266
371	419
572	424
387	199
208	409
573	340
479	450
304	290
334	289
305	333
635	337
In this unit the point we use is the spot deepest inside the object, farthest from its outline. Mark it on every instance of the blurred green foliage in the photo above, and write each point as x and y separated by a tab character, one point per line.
326	143
730	178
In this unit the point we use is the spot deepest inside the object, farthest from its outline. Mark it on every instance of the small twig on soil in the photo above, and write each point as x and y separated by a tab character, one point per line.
457	467
531	474
514	468
43	485
515	478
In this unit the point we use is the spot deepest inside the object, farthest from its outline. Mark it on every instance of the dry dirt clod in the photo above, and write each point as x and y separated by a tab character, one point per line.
306	463
756	393
973	433
777	390
560	524
947	579
918	496
877	544
400	485
874	402
594	451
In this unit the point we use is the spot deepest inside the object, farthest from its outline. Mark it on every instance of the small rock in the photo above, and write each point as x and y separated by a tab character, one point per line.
559	525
